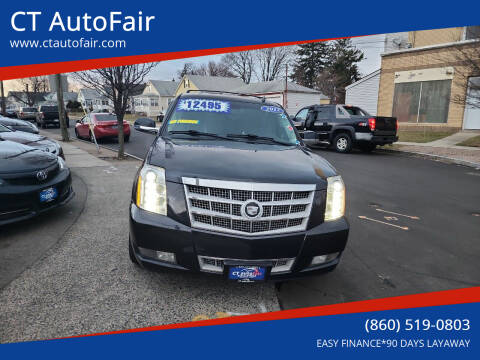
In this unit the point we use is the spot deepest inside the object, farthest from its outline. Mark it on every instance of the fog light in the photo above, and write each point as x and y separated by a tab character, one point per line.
321	259
158	255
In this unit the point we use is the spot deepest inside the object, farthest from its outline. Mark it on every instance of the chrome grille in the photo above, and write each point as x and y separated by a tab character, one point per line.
217	205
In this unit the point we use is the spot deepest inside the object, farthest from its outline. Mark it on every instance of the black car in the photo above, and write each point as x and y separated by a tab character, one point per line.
18	125
32	140
49	115
32	181
344	127
229	188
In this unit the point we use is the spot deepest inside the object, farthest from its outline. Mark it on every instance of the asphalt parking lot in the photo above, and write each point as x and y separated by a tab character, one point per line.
415	227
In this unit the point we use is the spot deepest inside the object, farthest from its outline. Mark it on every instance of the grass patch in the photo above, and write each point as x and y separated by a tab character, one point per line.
421	136
474	141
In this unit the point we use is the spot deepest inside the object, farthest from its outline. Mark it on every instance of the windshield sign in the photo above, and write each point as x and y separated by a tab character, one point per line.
243	120
208	105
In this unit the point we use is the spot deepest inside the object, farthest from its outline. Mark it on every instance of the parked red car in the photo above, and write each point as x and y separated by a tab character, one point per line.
104	126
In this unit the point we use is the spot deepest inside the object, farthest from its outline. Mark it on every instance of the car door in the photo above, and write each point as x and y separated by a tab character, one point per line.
300	118
82	128
324	122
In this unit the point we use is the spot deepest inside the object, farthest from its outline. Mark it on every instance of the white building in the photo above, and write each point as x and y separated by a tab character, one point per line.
93	100
155	98
291	96
364	92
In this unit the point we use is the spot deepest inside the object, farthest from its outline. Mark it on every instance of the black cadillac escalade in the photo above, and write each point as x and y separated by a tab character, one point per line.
228	187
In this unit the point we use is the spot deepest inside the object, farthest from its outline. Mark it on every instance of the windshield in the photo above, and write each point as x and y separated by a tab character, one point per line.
355	111
49	108
4	129
29	109
230	119
106	117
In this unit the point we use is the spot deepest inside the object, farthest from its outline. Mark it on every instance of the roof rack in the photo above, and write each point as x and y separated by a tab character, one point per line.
227	92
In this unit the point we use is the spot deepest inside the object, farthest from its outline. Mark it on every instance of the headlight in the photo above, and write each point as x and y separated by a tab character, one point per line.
152	190
61	163
335	207
1	182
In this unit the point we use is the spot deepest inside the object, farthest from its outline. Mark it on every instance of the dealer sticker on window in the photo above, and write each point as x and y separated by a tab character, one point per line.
208	105
272	109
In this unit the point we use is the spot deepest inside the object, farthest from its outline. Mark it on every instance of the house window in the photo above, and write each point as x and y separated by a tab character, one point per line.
153	102
104	102
472	32
186	83
422	102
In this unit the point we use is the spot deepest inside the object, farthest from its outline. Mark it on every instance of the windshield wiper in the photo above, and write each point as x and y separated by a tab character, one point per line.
256	137
199	133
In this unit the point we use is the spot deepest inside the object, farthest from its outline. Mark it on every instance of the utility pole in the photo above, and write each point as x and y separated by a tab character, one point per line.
61	108
3	98
285	100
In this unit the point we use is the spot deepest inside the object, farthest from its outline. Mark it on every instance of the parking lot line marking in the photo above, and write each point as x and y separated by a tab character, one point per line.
383	222
394	213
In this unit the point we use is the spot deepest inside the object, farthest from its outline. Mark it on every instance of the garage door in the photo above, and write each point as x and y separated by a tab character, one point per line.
471	119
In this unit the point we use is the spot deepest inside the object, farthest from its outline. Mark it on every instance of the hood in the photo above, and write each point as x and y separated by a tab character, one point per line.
30	139
18	158
239	161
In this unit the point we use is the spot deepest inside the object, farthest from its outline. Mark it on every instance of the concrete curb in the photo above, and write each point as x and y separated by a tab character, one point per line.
109	148
438	157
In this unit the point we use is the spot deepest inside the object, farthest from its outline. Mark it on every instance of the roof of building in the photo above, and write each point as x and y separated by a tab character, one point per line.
90	93
38	97
365	78
276	86
218	83
67	96
165	88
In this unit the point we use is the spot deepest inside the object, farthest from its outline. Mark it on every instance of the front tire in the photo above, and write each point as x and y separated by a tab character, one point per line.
342	143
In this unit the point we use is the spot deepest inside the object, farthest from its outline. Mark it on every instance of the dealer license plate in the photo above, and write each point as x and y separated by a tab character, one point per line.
48	195
247	273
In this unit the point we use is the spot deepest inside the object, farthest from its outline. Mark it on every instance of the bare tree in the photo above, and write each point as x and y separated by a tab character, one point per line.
117	84
468	58
212	68
271	62
32	87
240	64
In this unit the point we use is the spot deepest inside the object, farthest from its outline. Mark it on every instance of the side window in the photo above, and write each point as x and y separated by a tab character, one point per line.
302	114
323	113
340	113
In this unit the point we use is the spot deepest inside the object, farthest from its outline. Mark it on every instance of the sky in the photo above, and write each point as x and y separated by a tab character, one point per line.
372	47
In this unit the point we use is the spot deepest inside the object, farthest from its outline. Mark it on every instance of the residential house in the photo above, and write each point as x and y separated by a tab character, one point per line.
18	99
427	83
67	96
200	82
155	97
290	95
364	92
92	100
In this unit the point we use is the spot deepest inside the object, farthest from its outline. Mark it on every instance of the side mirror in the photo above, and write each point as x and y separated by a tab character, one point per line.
145	125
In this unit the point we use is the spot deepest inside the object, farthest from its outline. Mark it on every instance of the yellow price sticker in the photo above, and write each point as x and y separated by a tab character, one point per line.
183	121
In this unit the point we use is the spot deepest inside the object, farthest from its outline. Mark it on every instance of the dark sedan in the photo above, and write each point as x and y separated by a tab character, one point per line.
31	182
19	125
33	140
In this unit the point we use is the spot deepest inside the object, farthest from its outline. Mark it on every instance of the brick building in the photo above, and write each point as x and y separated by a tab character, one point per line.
428	83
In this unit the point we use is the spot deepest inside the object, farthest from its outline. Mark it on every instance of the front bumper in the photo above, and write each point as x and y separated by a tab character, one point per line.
19	203
160	233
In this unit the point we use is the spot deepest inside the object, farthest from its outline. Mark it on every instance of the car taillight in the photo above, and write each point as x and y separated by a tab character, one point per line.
371	124
41	114
396	125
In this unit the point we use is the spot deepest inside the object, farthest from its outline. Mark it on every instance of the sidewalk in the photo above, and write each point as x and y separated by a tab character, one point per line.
86	282
444	149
